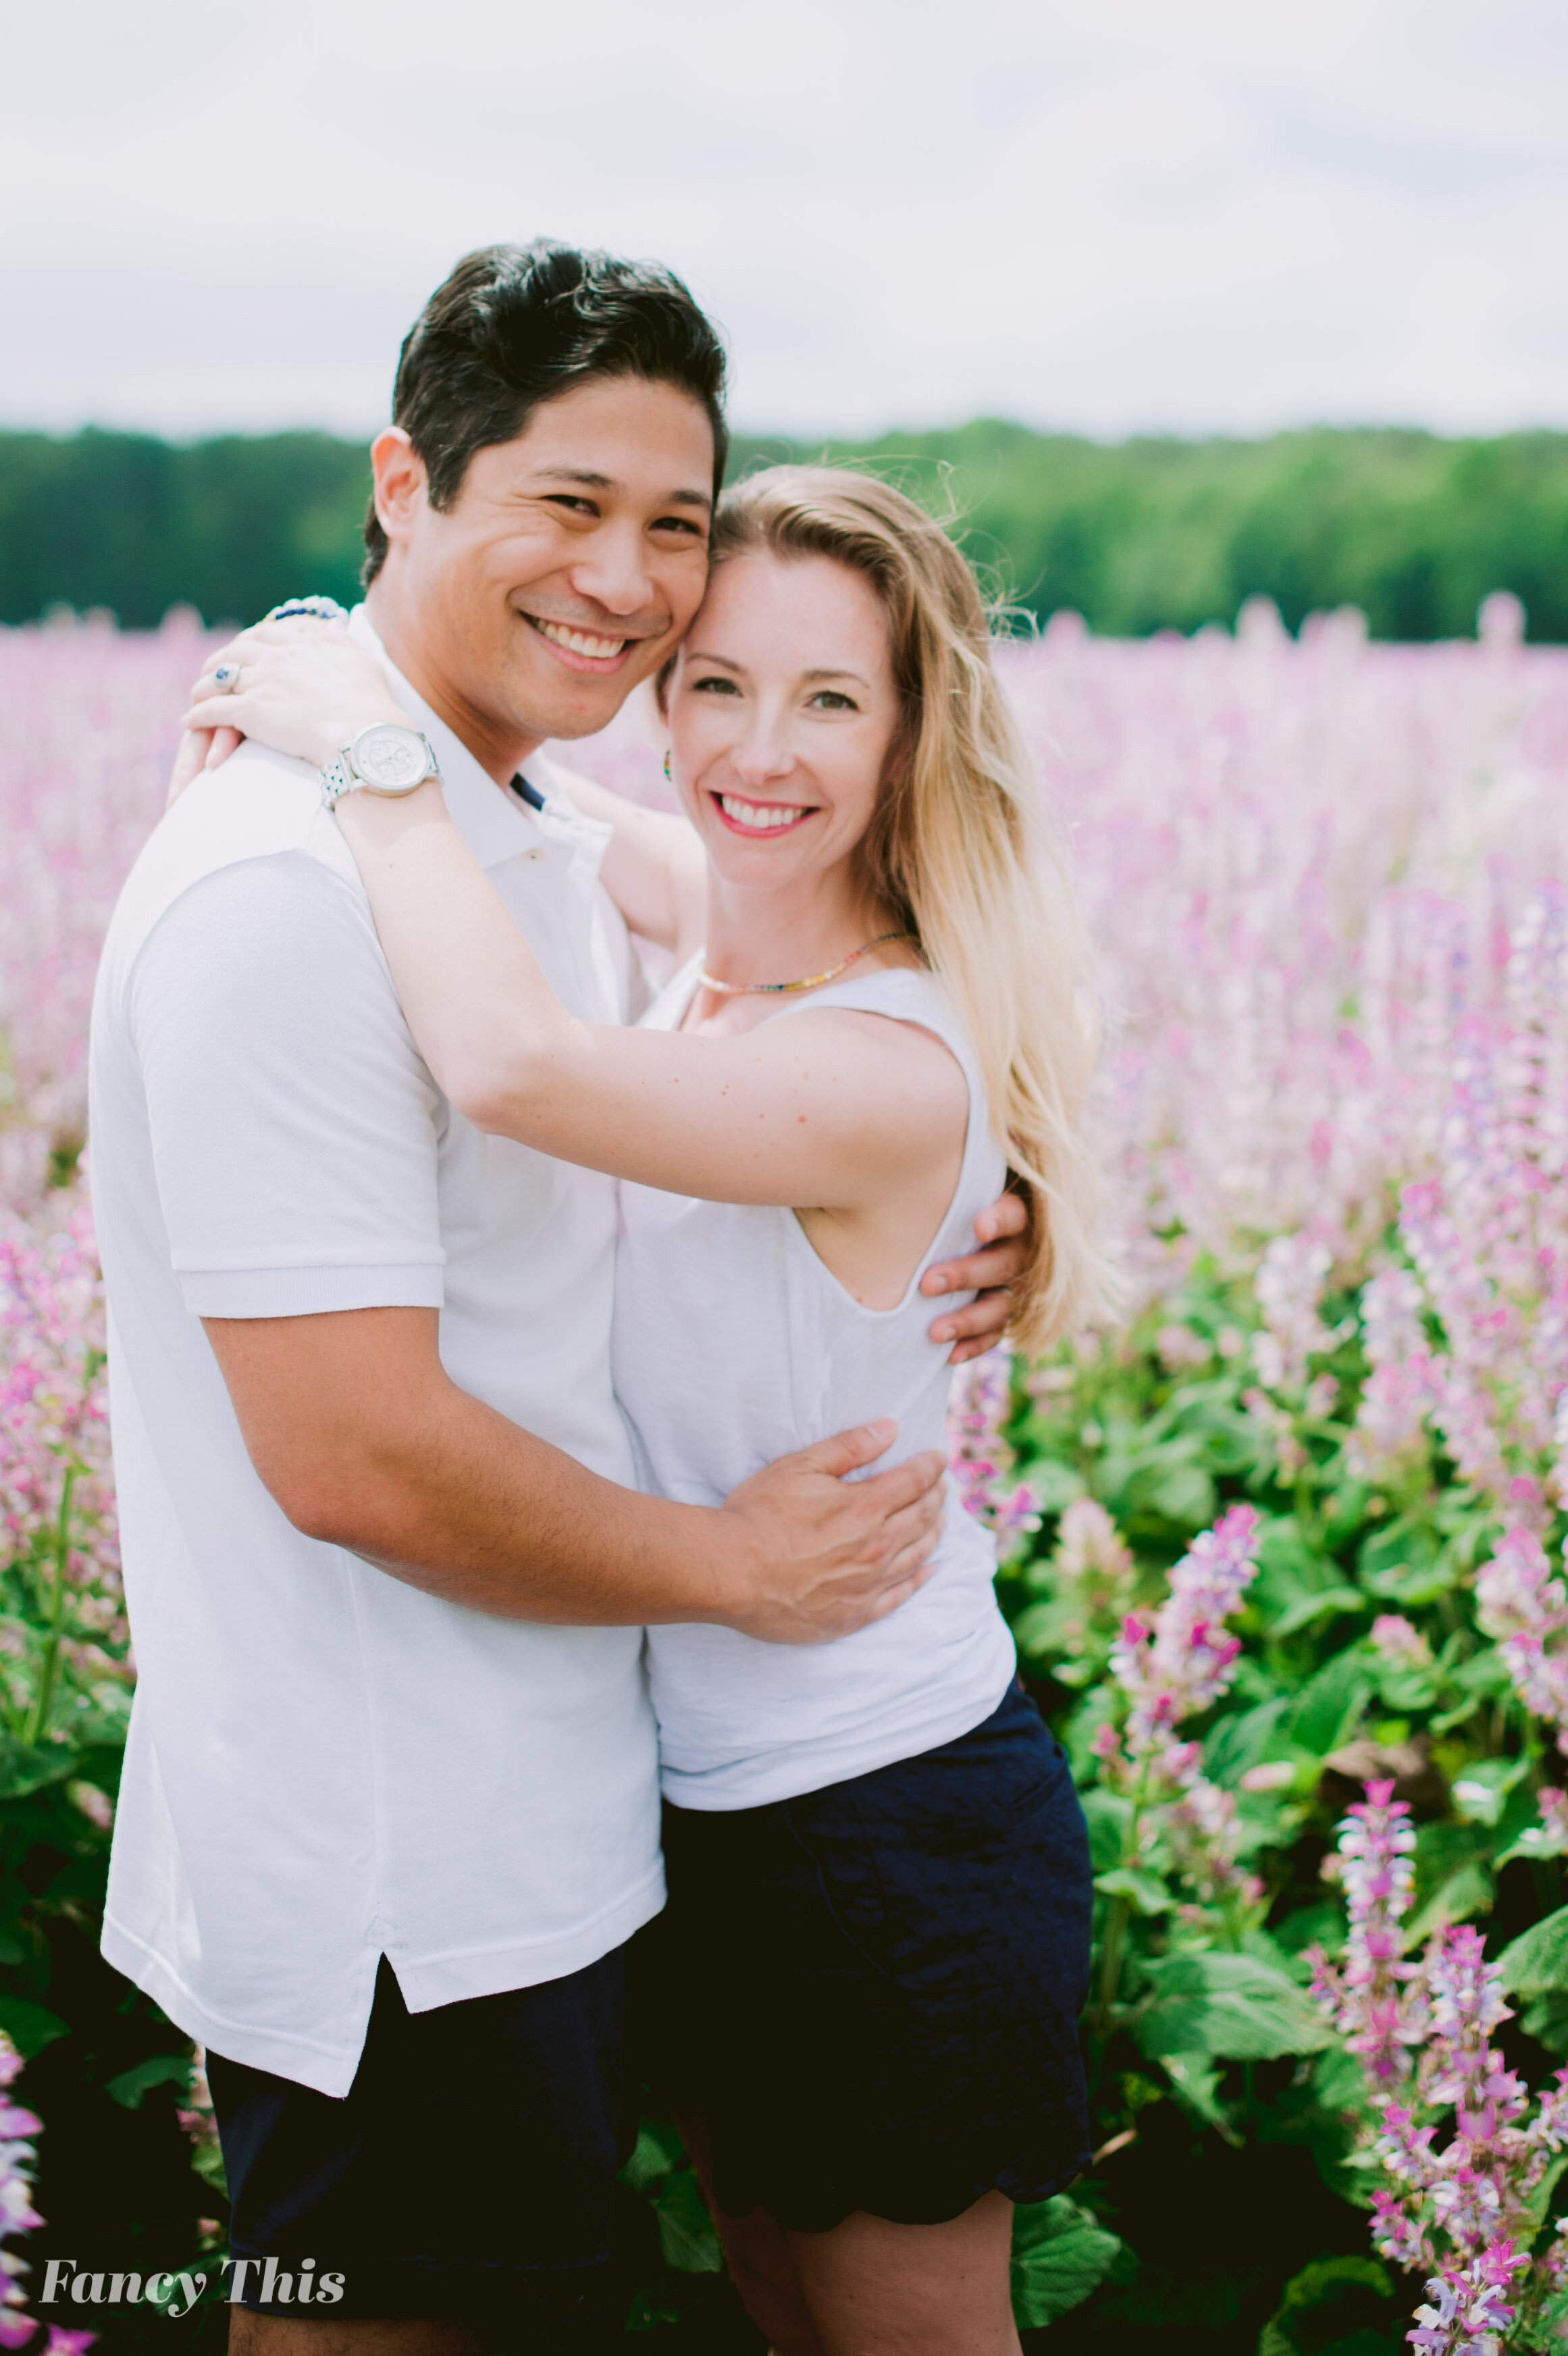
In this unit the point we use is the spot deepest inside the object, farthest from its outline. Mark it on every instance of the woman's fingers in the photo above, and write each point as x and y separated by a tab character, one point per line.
224	741
189	763
231	653
250	646
225	712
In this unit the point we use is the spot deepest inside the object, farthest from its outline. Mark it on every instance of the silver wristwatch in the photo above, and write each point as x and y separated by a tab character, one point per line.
385	759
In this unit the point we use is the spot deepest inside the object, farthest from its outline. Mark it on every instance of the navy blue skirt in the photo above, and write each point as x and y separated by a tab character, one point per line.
871	1993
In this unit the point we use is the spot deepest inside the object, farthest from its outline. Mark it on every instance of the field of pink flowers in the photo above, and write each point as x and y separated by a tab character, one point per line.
1304	1502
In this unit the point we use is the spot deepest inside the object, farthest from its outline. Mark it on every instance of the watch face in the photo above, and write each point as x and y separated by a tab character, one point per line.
389	759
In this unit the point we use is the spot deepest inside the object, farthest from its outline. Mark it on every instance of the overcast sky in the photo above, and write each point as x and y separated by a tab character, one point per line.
1110	216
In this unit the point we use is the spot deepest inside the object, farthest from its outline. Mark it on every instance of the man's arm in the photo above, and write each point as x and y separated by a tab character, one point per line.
365	1442
292	1127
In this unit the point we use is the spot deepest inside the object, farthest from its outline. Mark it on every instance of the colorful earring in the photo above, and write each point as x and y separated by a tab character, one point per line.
667	769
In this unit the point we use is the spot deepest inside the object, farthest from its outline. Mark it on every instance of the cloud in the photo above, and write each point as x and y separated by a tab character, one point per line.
1215	217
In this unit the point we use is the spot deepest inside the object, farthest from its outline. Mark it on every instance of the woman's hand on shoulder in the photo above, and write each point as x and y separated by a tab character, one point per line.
306	688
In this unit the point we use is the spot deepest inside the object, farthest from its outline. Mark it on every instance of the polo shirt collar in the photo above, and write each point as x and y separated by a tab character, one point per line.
496	825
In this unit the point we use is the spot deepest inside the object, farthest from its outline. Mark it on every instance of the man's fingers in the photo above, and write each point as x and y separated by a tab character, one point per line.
981	1322
918	1478
1002	1263
1008	1215
916	1555
899	1594
846	1451
921	1514
962	1352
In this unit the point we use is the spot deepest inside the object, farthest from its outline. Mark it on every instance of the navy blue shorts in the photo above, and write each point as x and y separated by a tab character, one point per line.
872	1992
469	2175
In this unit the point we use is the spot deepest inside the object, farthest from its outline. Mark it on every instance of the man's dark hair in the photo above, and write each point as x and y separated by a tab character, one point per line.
514	325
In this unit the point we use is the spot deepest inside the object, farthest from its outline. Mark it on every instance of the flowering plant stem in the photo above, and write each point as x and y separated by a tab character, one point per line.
1112	1948
1119	1914
49	1668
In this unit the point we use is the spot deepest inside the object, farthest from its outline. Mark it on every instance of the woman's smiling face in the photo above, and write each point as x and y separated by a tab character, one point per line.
782	709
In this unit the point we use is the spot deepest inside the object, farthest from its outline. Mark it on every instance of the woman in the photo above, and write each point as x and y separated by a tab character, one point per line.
877	1941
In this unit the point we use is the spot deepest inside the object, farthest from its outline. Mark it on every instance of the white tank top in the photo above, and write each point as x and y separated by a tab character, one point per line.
734	1345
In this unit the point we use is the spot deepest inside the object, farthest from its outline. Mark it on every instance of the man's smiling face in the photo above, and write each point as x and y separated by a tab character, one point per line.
568	567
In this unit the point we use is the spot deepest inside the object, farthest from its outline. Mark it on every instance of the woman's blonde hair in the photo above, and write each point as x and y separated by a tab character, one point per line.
958	850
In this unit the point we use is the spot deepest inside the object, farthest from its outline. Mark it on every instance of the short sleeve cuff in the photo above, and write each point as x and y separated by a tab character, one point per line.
310	1292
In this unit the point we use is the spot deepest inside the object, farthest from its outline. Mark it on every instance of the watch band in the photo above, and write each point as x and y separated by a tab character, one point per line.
336	781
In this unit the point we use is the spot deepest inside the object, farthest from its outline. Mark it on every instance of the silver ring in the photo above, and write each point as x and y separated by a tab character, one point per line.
226	678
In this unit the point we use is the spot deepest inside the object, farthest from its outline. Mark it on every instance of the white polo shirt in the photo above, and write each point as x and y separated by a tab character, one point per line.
326	1764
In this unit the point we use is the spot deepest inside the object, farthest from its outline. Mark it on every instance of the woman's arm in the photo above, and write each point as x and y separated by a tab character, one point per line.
828	1111
306	688
654	870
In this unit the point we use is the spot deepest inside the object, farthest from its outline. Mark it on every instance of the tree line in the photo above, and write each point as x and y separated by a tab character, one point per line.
1137	536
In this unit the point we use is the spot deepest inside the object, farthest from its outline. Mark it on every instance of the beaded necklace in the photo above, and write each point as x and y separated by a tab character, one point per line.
812	980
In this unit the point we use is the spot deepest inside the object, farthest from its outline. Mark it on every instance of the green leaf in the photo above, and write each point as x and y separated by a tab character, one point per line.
1185	1495
658	2150
1233	2005
1196	2085
1336	2307
1545	2017
1541	2201
1480	1792
25	1770
1536	1963
1145	1892
649	2312
1060	2254
686	2234
1326	1711
1402	1563
162	2069
1239	1742
1532	1841
1552	2320
1107	1815
1308	1610
1325	2277
29	2026
1340	2081
1321	1924
1467	1892
1056	1484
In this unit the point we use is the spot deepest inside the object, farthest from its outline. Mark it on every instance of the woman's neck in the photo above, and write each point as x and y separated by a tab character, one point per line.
784	936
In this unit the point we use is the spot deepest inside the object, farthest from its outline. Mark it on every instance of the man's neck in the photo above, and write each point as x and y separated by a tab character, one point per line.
500	751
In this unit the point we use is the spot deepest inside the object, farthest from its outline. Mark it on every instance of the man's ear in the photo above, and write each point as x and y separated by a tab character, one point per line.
401	490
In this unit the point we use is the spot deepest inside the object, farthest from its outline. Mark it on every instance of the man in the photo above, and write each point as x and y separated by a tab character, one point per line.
390	1812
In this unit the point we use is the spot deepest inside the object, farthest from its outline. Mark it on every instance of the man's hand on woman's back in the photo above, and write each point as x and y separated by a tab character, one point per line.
1002	1229
823	1555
